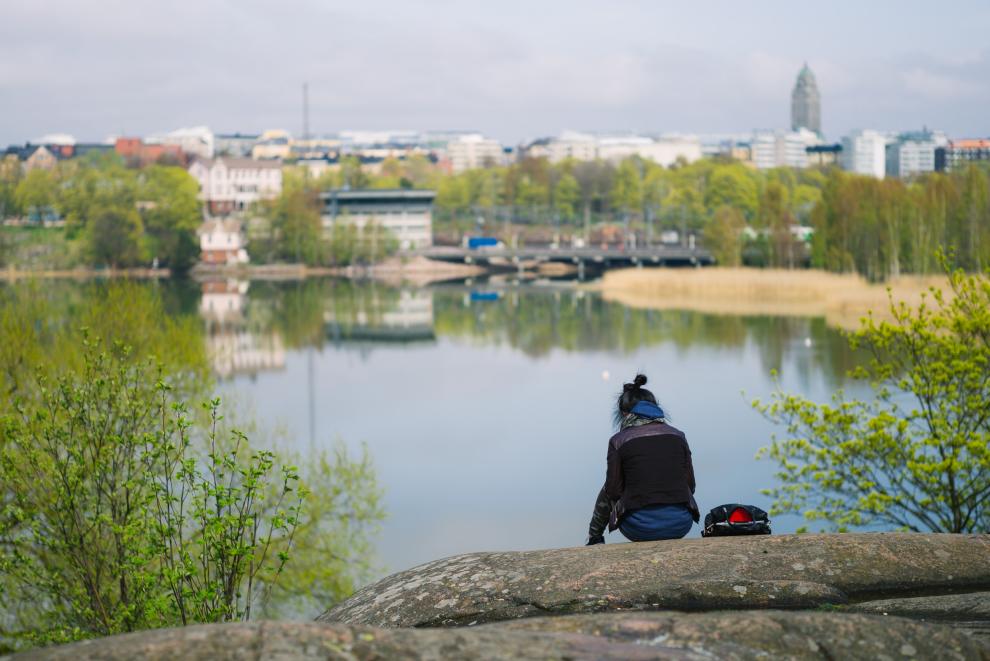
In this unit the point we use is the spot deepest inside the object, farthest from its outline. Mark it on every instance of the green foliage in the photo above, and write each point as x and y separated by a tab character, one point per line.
114	236
884	228
120	216
171	214
723	236
223	524
295	231
38	322
36	193
118	511
916	455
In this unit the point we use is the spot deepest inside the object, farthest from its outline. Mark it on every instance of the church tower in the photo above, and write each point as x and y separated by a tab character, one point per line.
806	103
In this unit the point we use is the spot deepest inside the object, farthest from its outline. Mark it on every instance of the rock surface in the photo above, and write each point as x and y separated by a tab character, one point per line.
970	611
772	634
630	636
785	571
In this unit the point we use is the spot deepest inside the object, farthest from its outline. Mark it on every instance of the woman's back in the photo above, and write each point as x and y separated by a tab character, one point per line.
655	465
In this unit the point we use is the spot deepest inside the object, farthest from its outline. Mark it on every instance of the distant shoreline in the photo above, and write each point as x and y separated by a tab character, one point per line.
416	270
843	299
13	274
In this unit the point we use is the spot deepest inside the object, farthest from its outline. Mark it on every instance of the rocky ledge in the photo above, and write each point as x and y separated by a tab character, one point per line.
788	596
780	572
631	636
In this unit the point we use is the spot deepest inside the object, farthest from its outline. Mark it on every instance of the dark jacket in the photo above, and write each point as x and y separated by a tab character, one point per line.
647	465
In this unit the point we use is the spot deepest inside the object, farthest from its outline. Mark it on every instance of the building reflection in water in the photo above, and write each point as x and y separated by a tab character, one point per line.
402	316
233	346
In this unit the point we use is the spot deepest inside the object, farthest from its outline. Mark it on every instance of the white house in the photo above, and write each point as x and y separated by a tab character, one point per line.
233	184
222	242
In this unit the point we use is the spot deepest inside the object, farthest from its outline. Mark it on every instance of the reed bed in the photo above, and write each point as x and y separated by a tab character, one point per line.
843	299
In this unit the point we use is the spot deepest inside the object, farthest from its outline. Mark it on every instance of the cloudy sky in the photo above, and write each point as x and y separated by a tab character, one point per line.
512	69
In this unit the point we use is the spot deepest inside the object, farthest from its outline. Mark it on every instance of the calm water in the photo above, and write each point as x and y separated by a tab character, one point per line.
487	408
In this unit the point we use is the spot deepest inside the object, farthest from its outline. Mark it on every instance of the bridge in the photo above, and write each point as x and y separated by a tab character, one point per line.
595	258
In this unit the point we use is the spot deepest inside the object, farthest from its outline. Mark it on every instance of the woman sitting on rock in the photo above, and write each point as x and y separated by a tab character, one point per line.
649	483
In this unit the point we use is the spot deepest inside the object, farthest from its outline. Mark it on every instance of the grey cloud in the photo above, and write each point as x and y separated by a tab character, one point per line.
93	68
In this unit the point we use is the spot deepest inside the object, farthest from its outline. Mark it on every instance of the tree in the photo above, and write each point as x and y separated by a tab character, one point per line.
776	220
567	195
732	185
917	455
627	188
114	236
171	216
10	177
294	222
35	193
723	236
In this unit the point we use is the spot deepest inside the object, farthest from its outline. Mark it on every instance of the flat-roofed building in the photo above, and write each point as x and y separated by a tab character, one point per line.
823	155
911	154
406	214
272	144
471	152
194	141
958	153
238	145
864	152
776	149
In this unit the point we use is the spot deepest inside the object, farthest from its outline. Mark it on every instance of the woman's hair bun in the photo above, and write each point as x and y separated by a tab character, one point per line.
638	382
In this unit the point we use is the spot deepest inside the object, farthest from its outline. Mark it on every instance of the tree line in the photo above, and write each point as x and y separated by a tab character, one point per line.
114	215
290	228
878	228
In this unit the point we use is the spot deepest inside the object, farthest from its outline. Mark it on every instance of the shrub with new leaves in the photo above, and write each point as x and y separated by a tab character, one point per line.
916	455
114	517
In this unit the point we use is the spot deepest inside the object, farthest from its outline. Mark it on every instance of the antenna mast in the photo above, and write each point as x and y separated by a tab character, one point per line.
305	111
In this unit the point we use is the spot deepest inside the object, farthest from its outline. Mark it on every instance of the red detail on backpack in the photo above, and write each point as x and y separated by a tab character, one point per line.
739	515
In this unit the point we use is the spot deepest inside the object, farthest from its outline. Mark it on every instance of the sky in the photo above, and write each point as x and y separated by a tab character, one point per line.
511	69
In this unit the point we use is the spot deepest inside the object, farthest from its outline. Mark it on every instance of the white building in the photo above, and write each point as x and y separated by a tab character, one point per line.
571	144
272	144
235	144
911	154
234	184
665	150
195	141
406	214
470	152
776	149
222	242
864	152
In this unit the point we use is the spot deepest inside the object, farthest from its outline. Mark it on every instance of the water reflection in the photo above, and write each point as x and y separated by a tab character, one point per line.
250	326
236	347
486	406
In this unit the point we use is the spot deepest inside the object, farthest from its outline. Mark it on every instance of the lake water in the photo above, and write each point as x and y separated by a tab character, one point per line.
487	408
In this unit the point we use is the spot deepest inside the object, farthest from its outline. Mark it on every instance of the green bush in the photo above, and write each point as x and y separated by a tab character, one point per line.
119	512
917	455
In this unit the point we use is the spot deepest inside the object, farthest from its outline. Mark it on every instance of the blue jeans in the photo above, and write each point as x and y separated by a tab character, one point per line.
655	522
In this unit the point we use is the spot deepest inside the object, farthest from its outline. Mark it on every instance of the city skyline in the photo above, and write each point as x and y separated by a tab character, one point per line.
119	68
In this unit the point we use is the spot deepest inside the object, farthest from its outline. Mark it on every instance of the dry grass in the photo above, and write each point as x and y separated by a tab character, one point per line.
842	299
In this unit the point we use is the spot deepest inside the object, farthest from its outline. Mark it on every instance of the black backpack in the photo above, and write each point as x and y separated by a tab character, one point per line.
736	519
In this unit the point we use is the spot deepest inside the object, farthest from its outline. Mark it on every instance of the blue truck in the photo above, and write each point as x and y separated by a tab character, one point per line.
477	242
